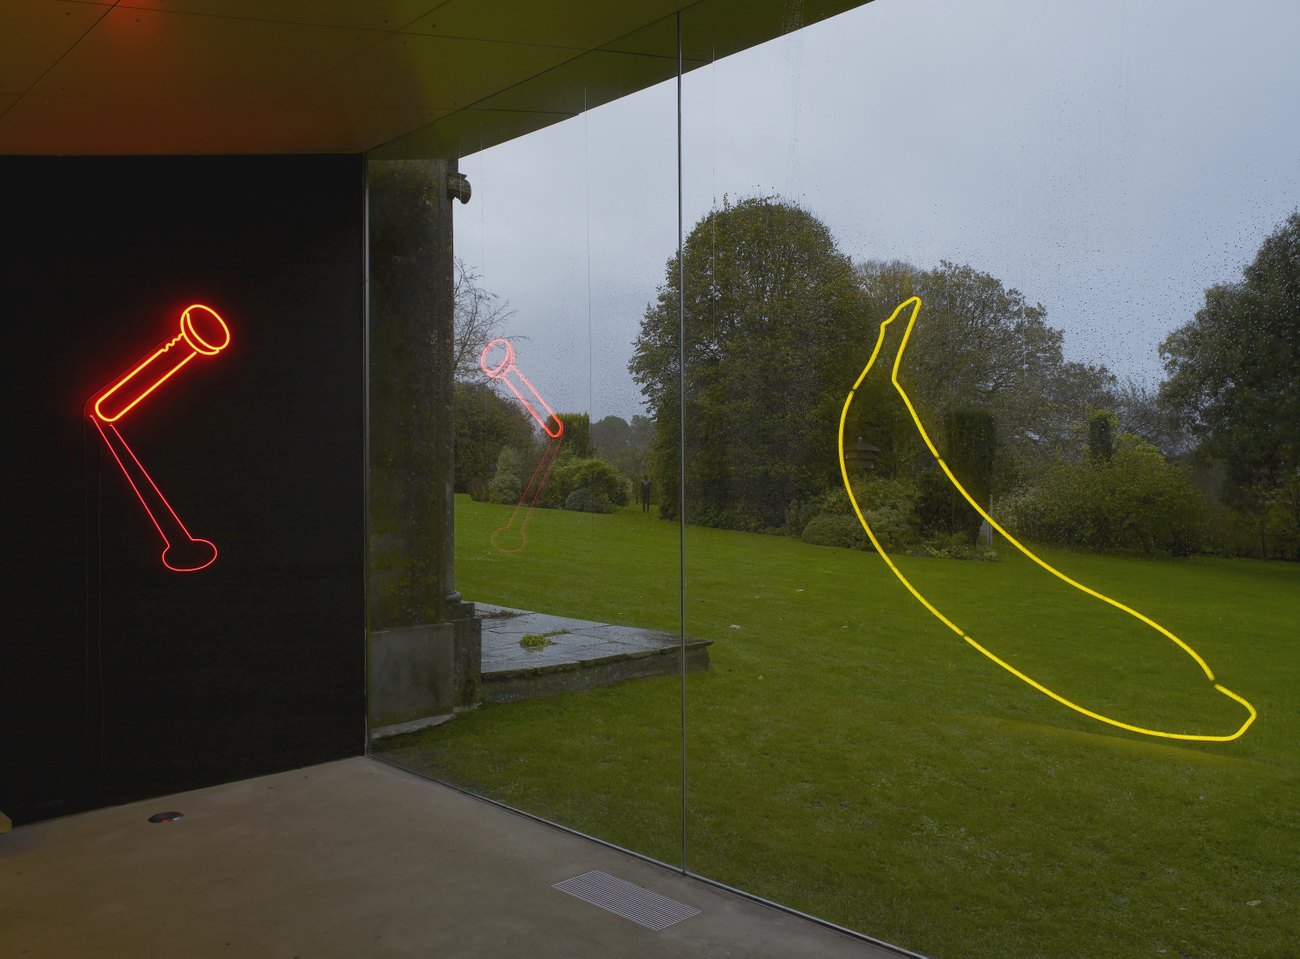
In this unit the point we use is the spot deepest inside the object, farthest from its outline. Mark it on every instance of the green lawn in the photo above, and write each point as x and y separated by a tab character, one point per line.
849	756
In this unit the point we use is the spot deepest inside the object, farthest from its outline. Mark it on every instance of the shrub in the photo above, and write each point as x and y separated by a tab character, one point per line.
834	501
832	529
592	473
1282	522
728	517
888	504
485	423
955	546
1230	533
587	500
1134	501
1266	526
799	514
890	508
506	485
894	528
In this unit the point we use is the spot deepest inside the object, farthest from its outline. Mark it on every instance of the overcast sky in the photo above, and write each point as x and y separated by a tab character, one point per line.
1111	159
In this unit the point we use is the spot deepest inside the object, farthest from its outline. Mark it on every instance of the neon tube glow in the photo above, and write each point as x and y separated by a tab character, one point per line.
915	305
182	553
502	535
510	374
202	333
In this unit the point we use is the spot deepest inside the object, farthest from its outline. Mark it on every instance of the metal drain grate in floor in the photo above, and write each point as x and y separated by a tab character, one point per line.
626	899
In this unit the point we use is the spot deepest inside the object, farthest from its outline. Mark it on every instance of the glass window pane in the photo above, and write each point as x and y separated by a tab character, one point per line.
1009	710
574	581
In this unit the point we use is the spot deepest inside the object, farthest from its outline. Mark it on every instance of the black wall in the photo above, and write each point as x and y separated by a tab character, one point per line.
120	679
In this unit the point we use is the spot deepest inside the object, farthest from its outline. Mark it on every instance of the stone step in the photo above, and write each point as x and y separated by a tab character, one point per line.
580	654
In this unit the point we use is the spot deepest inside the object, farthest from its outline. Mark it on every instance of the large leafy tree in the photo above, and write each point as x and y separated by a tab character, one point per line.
1234	370
771	307
981	345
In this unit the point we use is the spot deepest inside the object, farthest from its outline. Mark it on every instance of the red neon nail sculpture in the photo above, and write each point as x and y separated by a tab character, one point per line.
551	424
507	372
202	333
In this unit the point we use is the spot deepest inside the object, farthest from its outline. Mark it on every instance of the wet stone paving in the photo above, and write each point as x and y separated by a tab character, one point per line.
580	653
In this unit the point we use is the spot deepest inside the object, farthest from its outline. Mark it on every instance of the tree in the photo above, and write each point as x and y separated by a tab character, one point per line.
1234	370
622	443
971	451
609	435
641	432
507	483
771	310
979	344
485	424
577	434
1139	412
1102	427
480	315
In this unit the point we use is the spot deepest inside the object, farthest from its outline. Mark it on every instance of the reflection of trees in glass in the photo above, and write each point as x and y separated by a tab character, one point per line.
776	316
772	316
624	444
981	345
777	320
610	434
480	315
577	434
1235	382
1139	412
1130	499
486	424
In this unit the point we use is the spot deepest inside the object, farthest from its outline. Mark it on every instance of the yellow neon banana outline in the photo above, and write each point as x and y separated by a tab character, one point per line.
915	303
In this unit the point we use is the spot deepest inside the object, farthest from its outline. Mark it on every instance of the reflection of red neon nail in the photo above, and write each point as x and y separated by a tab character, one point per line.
202	332
532	493
182	553
508	372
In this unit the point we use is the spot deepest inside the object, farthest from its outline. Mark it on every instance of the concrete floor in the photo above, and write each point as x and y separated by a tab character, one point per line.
351	859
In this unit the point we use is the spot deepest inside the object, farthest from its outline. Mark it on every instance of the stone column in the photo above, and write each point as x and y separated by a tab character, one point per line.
425	647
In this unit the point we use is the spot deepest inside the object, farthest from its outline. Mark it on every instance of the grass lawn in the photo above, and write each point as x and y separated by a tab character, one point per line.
849	756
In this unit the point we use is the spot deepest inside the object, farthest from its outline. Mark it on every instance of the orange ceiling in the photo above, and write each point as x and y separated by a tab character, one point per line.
403	78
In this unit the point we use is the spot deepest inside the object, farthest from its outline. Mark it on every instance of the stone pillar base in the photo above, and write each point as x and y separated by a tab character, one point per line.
412	673
423	671
468	665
